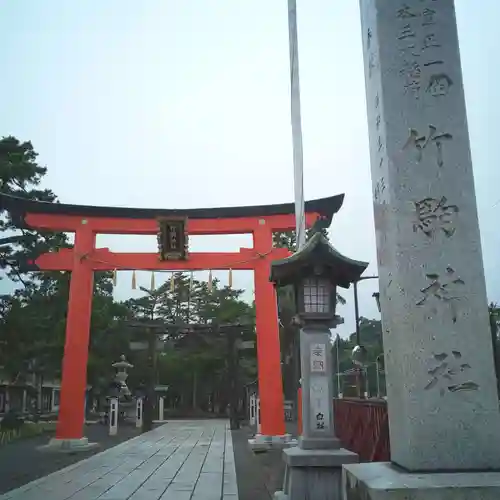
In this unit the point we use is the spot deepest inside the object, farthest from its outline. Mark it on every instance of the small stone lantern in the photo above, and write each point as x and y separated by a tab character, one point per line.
121	376
315	271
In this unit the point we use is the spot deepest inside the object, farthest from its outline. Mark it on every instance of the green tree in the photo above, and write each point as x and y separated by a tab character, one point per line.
108	339
33	317
21	176
32	326
371	338
194	365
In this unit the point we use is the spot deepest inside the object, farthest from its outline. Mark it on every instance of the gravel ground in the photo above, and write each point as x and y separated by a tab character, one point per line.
259	474
21	462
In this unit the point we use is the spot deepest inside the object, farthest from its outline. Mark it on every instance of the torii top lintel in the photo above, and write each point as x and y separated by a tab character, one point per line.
125	220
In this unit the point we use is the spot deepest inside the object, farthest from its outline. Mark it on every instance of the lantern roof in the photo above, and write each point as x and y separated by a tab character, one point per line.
317	252
123	363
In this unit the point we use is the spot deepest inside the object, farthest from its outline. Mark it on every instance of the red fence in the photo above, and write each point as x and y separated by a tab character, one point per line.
362	427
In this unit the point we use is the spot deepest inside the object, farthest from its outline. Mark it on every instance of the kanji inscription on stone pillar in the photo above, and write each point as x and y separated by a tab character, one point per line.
441	384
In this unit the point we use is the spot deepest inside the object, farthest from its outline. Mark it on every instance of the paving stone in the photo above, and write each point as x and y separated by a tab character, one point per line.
176	495
146	494
185	460
180	486
208	487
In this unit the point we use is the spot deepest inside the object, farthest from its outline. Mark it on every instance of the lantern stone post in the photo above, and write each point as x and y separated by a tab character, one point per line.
114	391
161	390
113	415
138	412
313	468
161	408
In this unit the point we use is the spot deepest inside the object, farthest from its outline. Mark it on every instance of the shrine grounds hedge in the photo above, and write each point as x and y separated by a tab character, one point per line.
26	430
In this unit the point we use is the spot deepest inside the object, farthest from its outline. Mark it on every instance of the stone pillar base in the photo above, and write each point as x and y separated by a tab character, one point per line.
68	445
383	481
314	474
314	443
264	443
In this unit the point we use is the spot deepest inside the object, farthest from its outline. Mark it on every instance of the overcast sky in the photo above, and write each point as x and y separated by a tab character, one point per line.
172	104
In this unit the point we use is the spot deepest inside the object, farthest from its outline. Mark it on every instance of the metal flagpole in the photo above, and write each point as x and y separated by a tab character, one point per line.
339	391
298	157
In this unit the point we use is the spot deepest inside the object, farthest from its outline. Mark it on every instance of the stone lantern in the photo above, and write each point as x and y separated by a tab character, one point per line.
315	272
121	376
118	389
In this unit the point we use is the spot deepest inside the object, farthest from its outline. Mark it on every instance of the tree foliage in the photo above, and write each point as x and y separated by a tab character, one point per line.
21	175
194	365
31	321
33	317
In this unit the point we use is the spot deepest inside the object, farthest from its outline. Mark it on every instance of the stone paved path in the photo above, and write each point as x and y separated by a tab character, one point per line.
181	460
21	463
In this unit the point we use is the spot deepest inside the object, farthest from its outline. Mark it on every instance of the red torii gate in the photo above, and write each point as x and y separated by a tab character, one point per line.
88	221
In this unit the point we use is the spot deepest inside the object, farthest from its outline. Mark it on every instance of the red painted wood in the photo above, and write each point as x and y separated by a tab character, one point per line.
362	426
268	341
237	225
71	417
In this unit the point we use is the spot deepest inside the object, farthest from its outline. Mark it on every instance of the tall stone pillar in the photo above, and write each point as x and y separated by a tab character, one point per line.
442	398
